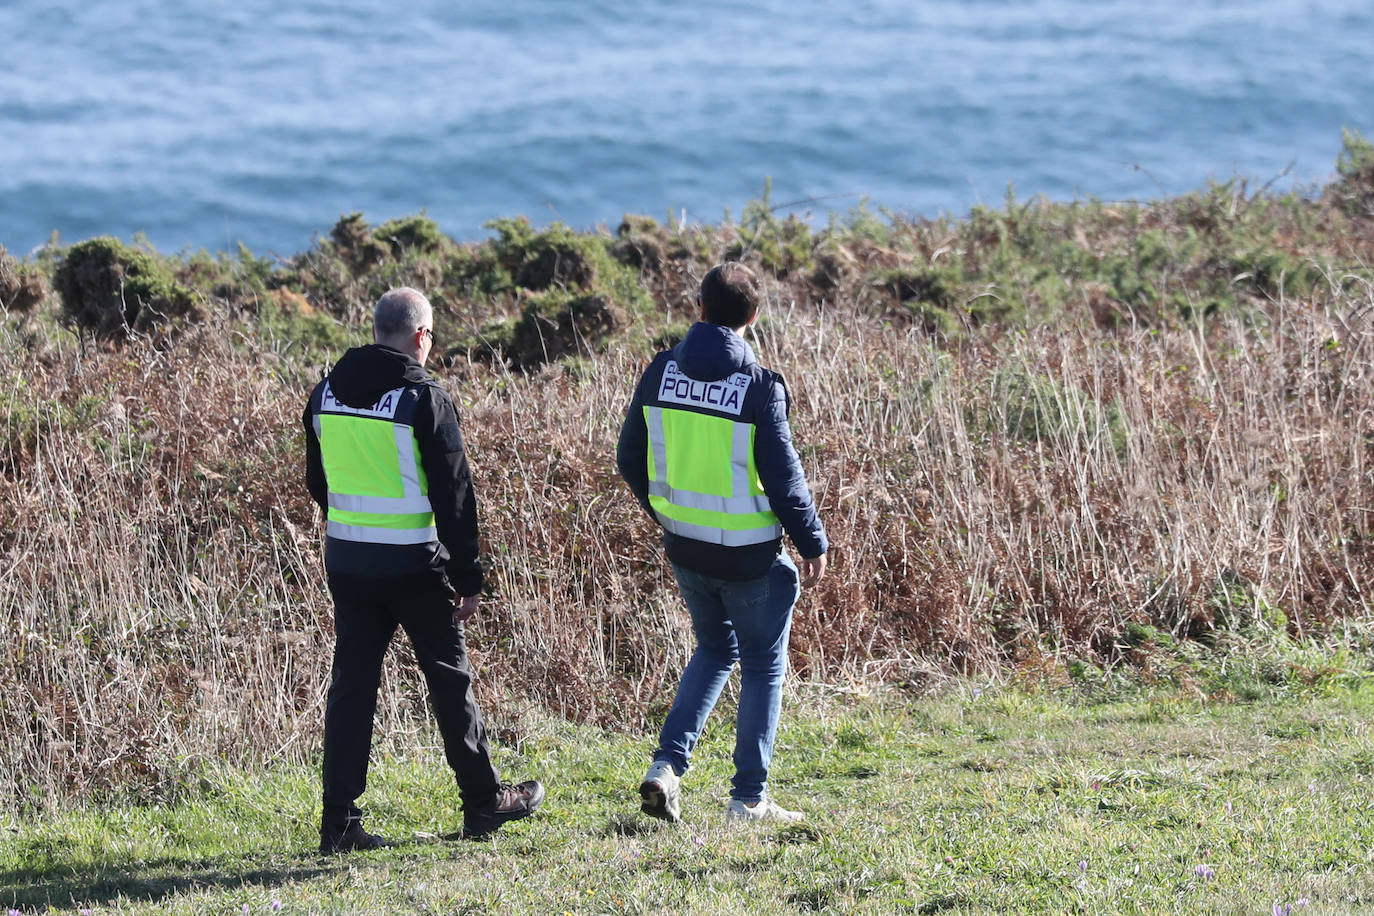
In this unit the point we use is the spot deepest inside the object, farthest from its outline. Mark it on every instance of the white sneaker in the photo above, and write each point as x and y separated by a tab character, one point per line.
764	810
659	792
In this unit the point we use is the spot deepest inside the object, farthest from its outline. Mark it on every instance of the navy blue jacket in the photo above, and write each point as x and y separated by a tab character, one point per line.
709	353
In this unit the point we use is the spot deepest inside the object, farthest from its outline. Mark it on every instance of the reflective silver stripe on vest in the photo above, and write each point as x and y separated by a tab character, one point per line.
741	445
405	453
363	535
710	502
380	505
720	535
413	502
659	442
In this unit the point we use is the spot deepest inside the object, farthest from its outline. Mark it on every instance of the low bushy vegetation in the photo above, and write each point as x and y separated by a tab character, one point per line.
1060	437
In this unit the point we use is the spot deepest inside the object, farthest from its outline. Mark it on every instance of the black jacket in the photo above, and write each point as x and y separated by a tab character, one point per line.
710	353
359	379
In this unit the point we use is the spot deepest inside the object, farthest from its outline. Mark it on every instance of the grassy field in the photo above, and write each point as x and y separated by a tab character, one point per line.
972	798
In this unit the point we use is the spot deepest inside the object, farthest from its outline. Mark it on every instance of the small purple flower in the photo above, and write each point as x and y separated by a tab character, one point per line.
1204	872
1302	901
276	906
1082	865
245	909
1229	807
699	841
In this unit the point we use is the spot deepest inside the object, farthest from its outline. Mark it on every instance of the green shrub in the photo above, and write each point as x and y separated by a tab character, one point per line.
112	289
285	317
939	286
781	246
356	245
1034	408
473	272
1272	272
1141	635
572	293
557	256
32	416
346	273
22	286
1355	165
641	243
411	235
556	324
1237	606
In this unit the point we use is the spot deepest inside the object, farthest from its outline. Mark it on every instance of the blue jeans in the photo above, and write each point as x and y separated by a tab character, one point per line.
734	621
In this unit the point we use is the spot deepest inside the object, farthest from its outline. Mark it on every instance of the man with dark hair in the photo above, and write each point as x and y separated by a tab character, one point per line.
730	292
385	461
707	450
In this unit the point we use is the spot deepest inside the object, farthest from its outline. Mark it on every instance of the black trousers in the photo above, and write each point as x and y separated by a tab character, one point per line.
366	614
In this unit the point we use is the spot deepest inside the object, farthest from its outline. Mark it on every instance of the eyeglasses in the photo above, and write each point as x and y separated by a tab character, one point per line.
430	332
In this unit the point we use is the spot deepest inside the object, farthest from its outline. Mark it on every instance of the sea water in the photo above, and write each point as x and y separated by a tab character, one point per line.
207	124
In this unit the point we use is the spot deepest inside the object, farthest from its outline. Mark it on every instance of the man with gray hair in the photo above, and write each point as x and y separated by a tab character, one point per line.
385	462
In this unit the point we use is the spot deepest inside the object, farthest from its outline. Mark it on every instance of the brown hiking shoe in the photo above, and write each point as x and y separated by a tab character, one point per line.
510	803
351	838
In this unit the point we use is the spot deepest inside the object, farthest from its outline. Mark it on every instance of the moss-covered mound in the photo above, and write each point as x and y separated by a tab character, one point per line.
570	292
111	289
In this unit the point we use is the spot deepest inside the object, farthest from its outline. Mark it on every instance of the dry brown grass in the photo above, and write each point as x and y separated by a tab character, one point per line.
1025	492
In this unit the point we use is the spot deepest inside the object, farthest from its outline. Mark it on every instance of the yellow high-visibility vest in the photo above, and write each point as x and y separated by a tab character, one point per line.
378	492
703	483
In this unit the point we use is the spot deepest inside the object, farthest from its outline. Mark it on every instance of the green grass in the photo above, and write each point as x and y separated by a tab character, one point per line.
991	801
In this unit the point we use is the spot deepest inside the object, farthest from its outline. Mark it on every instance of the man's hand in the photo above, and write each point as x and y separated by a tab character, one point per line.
813	570
465	608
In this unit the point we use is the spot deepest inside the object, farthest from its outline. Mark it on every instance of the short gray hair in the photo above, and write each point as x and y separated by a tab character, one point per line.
400	312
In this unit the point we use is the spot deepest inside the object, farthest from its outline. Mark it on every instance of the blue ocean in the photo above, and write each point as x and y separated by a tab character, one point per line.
208	124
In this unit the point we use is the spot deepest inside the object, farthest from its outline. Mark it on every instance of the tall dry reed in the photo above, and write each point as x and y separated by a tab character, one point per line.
1019	494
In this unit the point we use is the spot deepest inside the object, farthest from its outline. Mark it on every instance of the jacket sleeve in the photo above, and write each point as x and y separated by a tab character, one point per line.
783	480
450	487
631	451
314	465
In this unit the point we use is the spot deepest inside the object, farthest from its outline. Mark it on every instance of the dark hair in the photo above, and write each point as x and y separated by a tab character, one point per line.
730	294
